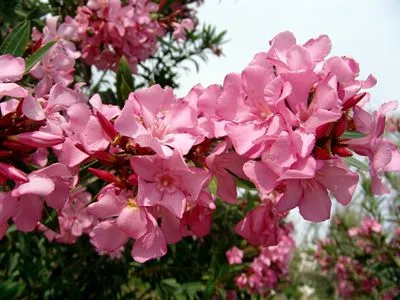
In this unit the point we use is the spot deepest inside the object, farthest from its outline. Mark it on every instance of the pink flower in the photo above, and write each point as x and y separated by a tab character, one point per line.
154	119
52	183
125	219
186	25
382	154
234	255
12	69
167	182
260	225
222	163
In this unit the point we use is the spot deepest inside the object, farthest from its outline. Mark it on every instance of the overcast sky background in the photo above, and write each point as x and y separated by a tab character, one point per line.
367	30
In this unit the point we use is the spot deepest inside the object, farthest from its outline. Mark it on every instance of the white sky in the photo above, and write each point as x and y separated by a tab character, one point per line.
367	30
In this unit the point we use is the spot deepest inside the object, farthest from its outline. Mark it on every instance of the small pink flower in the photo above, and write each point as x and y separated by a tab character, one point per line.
234	255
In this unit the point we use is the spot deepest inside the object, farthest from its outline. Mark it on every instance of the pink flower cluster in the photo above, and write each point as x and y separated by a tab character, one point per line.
270	267
281	124
103	31
367	227
351	263
346	269
109	29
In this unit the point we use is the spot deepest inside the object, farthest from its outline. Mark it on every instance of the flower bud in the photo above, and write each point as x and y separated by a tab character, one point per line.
12	173
37	139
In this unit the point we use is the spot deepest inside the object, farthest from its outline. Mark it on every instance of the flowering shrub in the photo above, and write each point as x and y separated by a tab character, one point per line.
270	268
141	169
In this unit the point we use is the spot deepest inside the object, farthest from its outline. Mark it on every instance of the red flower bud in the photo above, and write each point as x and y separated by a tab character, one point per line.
105	175
340	127
104	157
133	180
321	153
342	151
8	171
108	127
353	101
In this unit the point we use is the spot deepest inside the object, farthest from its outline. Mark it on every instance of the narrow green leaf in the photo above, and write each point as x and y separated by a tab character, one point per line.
50	219
356	163
32	60
124	83
213	186
15	43
352	135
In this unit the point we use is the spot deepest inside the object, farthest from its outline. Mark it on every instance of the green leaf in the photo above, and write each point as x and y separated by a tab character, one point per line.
15	43
213	186
124	83
32	60
50	219
356	163
352	135
10	289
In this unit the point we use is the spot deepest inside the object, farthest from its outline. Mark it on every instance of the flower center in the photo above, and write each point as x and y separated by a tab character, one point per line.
166	183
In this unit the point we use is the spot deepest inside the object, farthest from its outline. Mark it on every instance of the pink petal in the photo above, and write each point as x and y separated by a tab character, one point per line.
29	213
37	185
58	197
148	194
170	226
127	123
79	115
180	141
319	47
315	205
291	197
3	230
194	181
70	155
133	221
152	100
298	58
261	176
226	188
244	136
8	206
146	167
62	97
32	109
336	177
174	202
12	69
151	245
93	137
12	90
181	117
304	168
107	205
106	236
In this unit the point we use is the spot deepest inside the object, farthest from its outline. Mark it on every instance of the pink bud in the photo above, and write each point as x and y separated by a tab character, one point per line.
107	126
353	101
13	173
133	179
105	175
37	139
104	157
321	153
342	151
